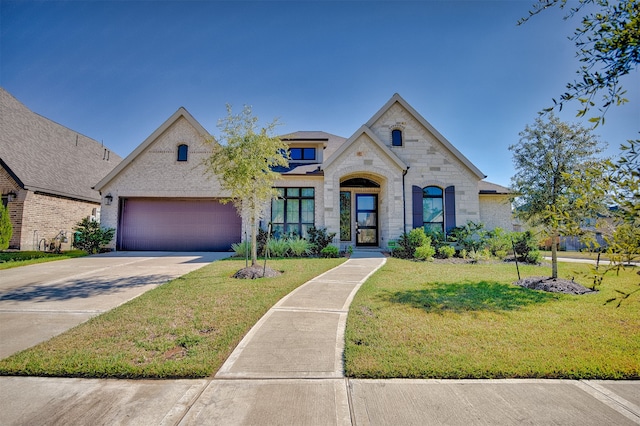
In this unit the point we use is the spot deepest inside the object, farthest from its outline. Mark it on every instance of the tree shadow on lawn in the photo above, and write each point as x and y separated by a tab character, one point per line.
470	296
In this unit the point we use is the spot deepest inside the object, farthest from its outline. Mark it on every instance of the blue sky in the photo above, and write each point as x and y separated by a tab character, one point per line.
116	70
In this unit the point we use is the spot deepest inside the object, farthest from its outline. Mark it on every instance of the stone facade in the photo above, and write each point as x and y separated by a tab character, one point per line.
424	158
429	162
495	212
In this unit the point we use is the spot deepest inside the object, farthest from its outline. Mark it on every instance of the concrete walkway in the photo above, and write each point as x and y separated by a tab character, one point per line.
288	370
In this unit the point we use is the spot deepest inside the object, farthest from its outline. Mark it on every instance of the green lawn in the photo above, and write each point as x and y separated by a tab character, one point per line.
429	320
185	328
13	259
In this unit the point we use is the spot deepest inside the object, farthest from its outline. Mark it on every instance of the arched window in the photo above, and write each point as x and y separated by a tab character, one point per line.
433	209
396	137
183	152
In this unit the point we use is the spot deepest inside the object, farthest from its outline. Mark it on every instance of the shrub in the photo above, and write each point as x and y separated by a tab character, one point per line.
6	230
241	249
319	239
471	236
438	238
446	251
478	255
298	246
526	247
498	243
278	247
90	236
409	242
329	251
424	252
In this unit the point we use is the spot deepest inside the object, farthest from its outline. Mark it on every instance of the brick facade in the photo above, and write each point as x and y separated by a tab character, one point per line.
37	218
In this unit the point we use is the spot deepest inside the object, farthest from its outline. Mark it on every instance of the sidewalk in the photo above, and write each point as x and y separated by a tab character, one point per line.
288	370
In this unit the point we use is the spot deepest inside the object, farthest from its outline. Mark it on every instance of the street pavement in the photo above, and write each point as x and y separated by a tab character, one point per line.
288	370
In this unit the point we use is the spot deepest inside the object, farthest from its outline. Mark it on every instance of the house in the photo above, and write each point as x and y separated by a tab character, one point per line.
395	173
46	175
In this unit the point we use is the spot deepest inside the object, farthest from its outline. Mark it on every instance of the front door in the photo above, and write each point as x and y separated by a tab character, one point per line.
366	219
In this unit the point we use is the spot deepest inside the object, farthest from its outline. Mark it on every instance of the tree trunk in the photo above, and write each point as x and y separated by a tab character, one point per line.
254	242
554	255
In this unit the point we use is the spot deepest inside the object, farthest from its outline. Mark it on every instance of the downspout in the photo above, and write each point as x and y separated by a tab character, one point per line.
404	201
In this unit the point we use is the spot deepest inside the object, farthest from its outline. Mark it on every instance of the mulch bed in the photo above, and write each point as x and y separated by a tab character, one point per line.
253	272
557	285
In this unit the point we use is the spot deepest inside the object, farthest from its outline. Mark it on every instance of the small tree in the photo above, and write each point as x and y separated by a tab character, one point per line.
6	229
244	162
559	181
90	236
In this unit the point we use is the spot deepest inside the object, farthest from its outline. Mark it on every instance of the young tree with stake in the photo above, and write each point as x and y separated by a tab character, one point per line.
244	162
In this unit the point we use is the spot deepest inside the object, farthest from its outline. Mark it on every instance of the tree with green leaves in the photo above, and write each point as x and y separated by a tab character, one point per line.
608	47
559	180
6	229
90	236
244	161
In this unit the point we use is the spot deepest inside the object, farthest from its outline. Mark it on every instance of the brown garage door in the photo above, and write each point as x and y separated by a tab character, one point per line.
177	225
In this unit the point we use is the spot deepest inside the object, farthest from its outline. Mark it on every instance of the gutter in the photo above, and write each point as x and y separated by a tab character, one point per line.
404	200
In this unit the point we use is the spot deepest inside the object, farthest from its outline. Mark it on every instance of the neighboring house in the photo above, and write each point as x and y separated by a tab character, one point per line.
395	173
46	175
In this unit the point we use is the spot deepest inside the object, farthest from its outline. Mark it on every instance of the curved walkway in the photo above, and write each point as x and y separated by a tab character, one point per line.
288	370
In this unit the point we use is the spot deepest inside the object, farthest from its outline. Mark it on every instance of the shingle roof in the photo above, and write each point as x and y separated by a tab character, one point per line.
48	157
333	142
492	188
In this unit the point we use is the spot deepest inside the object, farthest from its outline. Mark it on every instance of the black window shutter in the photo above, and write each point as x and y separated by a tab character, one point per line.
450	208
416	199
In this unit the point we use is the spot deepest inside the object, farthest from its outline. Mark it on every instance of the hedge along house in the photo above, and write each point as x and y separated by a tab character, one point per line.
395	173
46	176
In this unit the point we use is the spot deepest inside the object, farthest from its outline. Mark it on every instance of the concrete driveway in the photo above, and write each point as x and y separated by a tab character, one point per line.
40	301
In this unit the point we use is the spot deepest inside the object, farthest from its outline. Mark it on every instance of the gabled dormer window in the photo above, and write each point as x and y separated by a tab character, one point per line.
302	154
183	152
396	137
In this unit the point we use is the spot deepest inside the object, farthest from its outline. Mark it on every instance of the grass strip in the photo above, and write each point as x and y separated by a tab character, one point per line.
14	259
429	320
185	328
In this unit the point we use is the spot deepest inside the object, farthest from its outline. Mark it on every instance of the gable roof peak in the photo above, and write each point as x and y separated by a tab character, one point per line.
180	113
396	98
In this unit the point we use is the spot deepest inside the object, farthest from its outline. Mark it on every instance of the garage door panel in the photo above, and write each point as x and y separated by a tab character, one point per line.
178	225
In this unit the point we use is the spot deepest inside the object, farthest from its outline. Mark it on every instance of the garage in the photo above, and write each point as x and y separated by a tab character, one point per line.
183	224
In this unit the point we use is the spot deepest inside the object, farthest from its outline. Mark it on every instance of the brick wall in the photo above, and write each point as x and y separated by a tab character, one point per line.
37	216
44	216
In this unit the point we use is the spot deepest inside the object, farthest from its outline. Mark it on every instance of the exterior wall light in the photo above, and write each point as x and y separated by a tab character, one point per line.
108	199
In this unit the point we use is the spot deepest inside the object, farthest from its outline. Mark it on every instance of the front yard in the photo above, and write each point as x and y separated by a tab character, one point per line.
430	320
183	329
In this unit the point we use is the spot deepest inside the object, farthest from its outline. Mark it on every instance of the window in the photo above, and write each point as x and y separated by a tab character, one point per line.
183	151
293	212
345	216
302	154
432	209
396	137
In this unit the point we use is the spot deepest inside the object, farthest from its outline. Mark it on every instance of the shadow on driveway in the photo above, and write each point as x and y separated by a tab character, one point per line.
80	288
